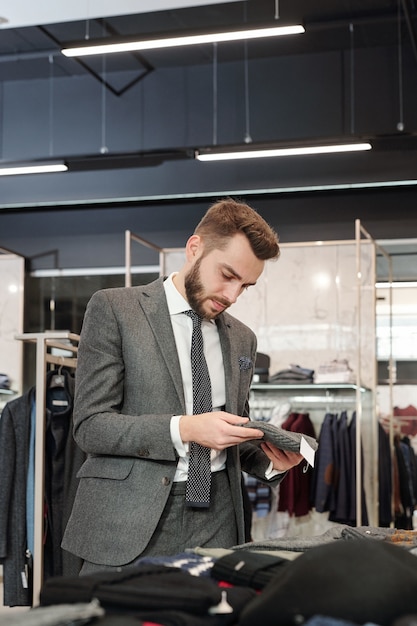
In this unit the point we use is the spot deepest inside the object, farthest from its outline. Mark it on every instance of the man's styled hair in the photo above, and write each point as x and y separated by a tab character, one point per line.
226	218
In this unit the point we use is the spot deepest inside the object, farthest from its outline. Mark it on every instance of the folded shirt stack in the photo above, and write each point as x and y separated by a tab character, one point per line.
336	371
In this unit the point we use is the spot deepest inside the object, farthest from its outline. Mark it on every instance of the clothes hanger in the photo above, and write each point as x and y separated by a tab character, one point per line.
57	379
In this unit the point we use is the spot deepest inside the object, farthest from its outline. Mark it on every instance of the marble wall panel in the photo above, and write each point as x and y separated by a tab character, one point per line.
304	308
11	318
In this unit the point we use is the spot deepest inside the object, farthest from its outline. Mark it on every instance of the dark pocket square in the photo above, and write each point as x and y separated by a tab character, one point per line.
245	363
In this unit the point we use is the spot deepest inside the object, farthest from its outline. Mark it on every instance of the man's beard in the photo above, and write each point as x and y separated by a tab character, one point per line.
195	292
194	289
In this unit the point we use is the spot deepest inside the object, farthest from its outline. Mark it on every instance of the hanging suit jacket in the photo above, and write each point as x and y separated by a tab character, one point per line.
128	386
340	513
61	462
14	456
324	469
63	459
385	473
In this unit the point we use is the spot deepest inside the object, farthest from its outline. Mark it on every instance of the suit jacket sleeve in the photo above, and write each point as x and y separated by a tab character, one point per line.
123	398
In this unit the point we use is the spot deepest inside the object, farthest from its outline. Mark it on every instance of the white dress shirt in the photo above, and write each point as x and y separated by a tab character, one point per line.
182	326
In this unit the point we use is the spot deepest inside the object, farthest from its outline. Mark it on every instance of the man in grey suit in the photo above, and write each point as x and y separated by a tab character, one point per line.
133	409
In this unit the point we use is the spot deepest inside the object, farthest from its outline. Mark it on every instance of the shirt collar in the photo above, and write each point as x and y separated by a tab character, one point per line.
176	303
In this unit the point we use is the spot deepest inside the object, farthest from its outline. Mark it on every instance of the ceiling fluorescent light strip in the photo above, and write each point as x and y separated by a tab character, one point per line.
189	40
95	271
16	170
406	284
212	155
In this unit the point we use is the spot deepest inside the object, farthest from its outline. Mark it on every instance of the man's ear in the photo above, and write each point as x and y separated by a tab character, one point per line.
193	247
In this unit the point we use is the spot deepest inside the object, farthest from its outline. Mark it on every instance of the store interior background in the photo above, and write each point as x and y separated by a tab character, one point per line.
339	79
128	127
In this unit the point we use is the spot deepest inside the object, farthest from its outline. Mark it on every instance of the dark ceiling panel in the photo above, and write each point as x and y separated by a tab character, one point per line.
329	25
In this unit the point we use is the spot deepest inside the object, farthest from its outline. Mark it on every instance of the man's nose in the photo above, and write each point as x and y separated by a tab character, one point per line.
232	292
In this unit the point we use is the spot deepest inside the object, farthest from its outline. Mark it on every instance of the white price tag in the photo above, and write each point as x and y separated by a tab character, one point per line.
307	451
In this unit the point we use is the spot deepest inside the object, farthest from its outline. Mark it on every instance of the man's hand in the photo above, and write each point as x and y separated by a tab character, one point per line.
217	430
282	460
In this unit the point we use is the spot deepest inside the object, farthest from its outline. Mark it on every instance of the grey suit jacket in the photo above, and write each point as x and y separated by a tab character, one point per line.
128	386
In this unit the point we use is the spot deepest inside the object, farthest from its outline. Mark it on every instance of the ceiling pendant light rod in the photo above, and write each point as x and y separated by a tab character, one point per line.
215	94
400	124
51	106
103	149
248	138
187	40
352	79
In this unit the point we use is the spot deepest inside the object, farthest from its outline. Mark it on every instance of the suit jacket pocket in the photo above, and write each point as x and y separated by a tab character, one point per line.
116	468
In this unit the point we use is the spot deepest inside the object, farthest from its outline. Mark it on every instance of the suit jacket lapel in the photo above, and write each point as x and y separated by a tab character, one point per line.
230	371
154	305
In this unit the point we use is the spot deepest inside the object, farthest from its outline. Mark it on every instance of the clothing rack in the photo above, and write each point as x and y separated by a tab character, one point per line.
67	342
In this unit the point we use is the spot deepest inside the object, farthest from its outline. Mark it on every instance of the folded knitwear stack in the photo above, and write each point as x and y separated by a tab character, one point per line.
4	381
294	375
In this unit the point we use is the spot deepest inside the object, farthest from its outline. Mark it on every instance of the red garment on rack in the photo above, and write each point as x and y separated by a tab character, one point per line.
294	491
409	426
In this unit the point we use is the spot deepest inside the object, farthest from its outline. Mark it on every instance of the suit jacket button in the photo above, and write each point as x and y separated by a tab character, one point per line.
144	452
165	481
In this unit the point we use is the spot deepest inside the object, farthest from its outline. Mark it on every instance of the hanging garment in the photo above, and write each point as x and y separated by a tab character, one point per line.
384	478
409	425
259	496
14	455
324	470
406	477
336	464
334	476
294	491
62	460
341	509
353	509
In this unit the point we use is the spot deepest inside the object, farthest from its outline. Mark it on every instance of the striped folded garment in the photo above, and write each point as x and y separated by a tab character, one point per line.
283	439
